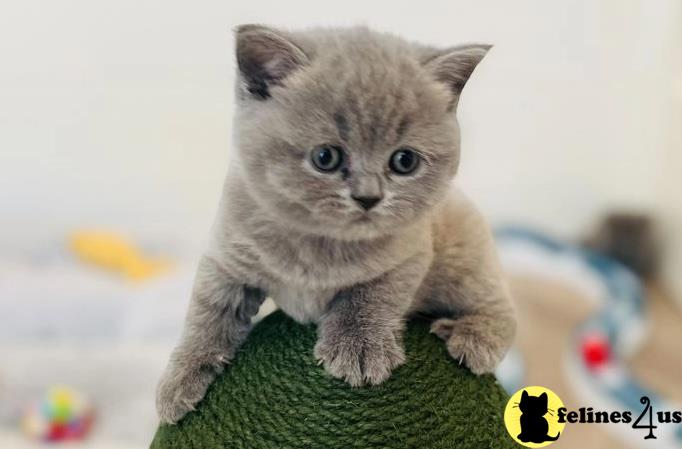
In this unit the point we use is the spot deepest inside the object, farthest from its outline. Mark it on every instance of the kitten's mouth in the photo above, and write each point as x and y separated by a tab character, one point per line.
362	216
362	219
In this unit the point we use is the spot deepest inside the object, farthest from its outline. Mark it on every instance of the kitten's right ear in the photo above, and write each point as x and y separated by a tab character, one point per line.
524	395
265	58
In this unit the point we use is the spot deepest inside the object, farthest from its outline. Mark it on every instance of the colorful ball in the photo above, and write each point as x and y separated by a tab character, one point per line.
62	415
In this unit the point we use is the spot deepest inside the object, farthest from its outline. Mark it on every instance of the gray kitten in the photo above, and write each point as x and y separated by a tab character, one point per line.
339	206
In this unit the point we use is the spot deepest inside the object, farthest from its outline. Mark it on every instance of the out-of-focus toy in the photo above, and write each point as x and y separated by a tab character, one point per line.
595	349
62	415
597	357
115	253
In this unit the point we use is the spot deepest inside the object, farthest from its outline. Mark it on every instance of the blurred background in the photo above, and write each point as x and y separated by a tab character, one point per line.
115	124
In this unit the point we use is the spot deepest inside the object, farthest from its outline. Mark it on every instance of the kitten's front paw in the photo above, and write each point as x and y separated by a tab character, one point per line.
180	390
359	358
473	341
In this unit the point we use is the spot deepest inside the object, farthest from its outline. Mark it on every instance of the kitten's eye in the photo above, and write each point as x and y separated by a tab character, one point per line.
404	161
326	158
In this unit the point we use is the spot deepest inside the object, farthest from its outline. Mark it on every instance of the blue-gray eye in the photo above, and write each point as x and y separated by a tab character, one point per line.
327	158
404	161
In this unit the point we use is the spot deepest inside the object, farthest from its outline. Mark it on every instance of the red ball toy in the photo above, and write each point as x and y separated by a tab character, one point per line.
596	350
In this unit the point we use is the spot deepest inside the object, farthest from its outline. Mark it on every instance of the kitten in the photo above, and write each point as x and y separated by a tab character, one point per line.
534	426
339	206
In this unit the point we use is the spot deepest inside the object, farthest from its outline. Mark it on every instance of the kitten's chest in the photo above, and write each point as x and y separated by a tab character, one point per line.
304	306
308	265
306	274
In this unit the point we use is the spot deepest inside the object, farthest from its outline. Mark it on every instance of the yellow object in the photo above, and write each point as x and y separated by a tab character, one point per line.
62	399
114	252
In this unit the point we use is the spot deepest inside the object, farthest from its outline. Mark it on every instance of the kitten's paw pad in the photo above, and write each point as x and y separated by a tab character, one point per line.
360	360
180	390
471	341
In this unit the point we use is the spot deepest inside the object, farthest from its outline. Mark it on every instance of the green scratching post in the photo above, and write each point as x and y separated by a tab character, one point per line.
275	395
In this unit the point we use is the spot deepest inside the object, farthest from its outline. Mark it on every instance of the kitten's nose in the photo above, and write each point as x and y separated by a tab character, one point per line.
367	202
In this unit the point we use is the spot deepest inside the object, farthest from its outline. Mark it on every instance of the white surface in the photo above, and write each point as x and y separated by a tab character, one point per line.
13	440
671	203
64	300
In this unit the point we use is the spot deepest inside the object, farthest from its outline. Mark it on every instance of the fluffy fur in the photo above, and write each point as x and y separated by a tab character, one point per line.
291	232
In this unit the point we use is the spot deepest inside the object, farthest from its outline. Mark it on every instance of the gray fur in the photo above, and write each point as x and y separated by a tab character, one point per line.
289	231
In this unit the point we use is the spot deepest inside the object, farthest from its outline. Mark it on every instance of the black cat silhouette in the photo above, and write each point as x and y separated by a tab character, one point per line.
534	426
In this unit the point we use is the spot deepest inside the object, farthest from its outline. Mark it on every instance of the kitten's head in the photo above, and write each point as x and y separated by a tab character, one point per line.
533	405
348	133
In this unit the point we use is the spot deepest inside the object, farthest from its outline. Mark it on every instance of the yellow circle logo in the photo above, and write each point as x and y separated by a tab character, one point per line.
531	417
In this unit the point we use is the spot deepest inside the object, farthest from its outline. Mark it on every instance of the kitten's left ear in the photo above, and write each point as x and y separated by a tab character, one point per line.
265	58
453	66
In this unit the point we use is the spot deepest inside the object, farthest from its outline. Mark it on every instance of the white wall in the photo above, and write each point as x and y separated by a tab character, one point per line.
118	112
670	206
